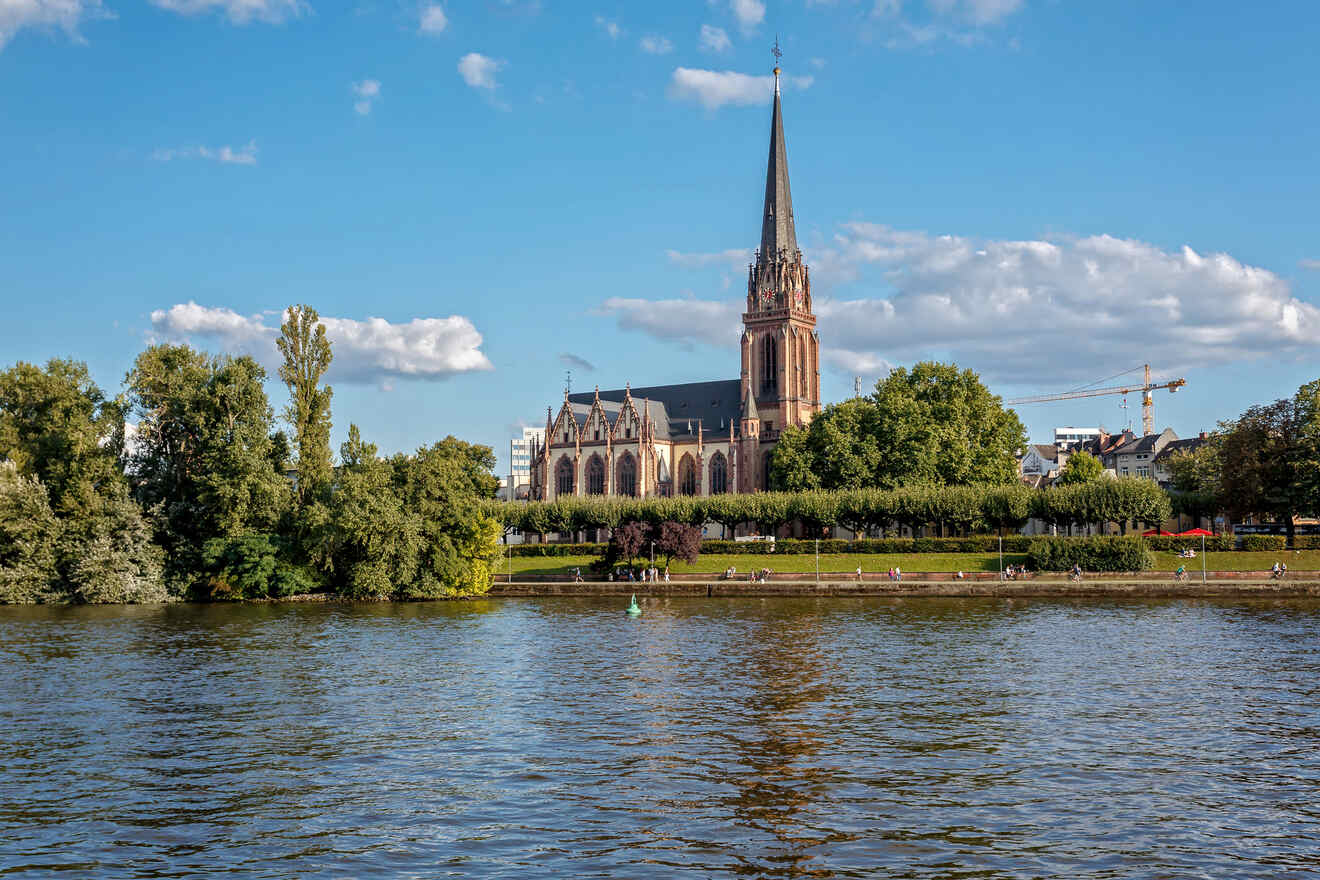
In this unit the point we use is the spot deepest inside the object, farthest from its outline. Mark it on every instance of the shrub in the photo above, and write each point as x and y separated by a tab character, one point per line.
1264	543
1306	542
1092	554
1212	542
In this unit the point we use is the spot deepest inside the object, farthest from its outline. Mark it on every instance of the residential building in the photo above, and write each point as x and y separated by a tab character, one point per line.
520	458
1067	437
1136	457
1041	460
1161	471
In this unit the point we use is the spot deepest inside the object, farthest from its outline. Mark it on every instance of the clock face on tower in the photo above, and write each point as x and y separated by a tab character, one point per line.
797	298
768	297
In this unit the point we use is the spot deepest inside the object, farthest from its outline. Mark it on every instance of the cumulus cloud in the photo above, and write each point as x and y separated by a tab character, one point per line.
479	70
244	155
47	14
571	360
677	320
713	89
656	45
1313	265
433	20
714	39
1077	308
609	26
737	258
749	13
370	351
366	93
238	11
976	11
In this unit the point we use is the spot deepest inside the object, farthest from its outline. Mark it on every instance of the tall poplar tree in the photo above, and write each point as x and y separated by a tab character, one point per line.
306	358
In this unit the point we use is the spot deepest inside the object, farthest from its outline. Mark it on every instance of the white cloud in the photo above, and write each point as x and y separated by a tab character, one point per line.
46	14
244	155
433	19
239	11
611	28
737	258
479	70
366	93
680	320
1035	313
714	39
715	88
976	11
1313	265
656	45
749	13
370	351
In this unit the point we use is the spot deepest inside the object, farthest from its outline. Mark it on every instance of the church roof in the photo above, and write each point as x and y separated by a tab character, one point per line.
672	407
777	218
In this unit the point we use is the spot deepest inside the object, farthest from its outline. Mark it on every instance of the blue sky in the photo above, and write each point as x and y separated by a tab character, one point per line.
1048	192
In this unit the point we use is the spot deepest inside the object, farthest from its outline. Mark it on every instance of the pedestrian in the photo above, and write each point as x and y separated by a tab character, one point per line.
859	572
666	574
898	573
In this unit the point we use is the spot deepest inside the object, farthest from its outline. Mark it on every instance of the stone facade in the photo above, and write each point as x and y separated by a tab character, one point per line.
703	438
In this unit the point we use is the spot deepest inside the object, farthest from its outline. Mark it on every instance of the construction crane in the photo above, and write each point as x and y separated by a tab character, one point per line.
1147	402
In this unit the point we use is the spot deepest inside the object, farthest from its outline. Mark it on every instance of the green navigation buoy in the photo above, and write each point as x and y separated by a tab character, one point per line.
633	608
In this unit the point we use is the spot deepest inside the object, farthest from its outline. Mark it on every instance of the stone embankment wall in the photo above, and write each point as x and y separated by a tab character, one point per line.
1133	586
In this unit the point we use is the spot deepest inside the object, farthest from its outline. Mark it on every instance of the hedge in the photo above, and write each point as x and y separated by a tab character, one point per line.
788	546
1115	553
1264	543
1212	542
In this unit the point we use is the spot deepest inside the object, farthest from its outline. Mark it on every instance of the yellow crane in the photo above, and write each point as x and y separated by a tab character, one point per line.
1146	387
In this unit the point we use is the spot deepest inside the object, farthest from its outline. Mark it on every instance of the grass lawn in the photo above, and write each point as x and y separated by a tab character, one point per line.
1303	560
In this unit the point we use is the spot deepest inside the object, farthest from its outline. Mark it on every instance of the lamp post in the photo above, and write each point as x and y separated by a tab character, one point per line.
653	554
1001	557
1203	559
818	562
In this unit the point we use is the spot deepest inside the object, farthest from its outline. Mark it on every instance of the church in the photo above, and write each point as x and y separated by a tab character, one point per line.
703	438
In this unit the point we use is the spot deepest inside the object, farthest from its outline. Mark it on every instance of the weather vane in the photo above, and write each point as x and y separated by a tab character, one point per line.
775	51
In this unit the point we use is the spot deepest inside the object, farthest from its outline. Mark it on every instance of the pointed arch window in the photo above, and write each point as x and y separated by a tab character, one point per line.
564	477
626	481
595	476
765	470
719	475
769	365
687	476
802	369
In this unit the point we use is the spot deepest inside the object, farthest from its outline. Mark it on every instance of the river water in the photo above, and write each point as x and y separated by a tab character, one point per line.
744	737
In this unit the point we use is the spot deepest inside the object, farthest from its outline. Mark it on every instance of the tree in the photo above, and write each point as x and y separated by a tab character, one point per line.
111	558
1266	460
29	533
627	542
307	356
1081	467
940	425
792	463
377	542
678	539
444	485
57	425
204	457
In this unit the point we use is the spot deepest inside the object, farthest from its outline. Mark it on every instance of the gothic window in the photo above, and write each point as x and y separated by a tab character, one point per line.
687	476
769	365
564	477
595	476
719	475
765	468
626	482
598	433
802	368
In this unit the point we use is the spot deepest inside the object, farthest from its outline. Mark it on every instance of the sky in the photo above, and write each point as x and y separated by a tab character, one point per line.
482	197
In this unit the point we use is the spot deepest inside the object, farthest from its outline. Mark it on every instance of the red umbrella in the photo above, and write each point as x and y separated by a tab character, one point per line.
1192	533
1158	533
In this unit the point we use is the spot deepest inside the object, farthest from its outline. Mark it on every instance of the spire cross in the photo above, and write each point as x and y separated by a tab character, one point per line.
775	52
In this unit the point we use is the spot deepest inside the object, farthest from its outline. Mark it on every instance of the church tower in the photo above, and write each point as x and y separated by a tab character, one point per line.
780	347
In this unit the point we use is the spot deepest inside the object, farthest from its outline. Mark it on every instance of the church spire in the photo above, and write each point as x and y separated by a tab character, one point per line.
777	219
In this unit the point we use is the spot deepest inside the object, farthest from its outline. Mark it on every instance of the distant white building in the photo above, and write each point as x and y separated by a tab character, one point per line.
520	459
1069	436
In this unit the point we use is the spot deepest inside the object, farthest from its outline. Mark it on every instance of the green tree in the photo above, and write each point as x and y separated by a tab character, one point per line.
939	425
204	457
307	356
1267	459
112	558
792	465
57	425
1081	467
29	534
377	542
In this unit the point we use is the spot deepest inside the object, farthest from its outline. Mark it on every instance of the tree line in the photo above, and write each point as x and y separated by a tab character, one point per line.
944	510
184	487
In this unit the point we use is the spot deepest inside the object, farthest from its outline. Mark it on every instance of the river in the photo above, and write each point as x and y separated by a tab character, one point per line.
744	737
